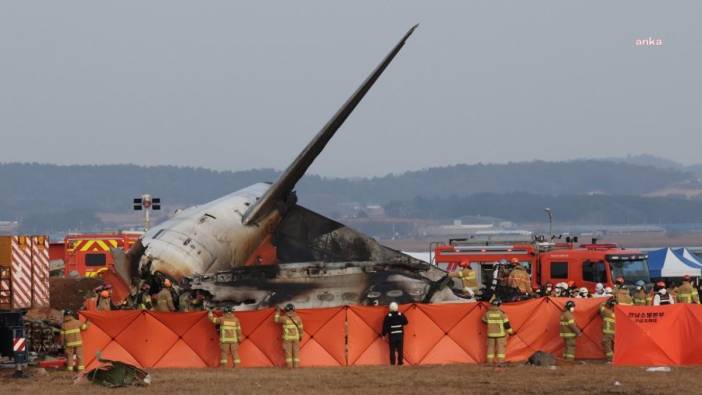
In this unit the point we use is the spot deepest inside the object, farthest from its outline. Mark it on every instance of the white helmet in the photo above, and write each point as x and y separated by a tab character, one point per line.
599	287
393	306
608	290
662	291
583	290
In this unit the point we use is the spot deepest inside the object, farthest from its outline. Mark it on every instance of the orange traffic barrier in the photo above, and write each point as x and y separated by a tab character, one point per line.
339	336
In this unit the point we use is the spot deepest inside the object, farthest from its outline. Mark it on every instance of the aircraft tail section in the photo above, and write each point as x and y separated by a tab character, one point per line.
280	190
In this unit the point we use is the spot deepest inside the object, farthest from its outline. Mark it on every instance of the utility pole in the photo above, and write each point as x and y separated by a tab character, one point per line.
550	223
146	203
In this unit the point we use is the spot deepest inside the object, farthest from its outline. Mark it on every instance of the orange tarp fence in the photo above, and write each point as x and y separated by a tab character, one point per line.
339	336
658	335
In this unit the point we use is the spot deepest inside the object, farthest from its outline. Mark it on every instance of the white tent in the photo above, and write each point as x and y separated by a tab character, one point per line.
667	263
689	255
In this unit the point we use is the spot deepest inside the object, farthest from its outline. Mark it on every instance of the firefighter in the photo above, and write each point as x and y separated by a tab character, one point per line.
90	303
143	298
608	326
686	293
519	278
72	341
599	291
104	298
662	296
498	327
292	334
394	327
583	293
641	298
468	279
548	290
164	298
621	292
569	330
229	336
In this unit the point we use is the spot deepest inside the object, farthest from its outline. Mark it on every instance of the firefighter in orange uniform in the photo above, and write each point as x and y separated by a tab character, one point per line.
229	336
569	330
498	327
467	276
72	341
519	278
292	334
164	298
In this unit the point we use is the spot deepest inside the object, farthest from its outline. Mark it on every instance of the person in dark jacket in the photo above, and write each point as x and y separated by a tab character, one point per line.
394	328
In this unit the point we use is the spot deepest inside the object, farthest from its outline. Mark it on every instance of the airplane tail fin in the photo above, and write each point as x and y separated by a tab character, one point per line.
286	182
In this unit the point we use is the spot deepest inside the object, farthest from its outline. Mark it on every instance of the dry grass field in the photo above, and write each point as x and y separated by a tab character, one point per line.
454	379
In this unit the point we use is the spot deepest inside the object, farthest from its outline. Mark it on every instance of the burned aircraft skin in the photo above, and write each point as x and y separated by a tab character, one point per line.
323	263
316	262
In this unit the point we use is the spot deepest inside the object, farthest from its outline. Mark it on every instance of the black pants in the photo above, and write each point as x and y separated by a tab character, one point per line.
396	347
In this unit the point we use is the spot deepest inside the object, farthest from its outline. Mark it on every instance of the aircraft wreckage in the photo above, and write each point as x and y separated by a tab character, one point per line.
257	247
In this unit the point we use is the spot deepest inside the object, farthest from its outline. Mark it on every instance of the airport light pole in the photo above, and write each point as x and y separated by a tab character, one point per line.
550	222
146	203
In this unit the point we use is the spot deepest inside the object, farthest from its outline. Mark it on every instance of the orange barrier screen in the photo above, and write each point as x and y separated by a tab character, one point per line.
658	335
339	336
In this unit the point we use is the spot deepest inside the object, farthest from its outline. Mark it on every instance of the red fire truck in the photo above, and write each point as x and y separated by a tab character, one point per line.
547	262
89	254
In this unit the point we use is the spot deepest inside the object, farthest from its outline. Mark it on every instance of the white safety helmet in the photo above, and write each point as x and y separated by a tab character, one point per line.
608	290
599	287
662	291
393	306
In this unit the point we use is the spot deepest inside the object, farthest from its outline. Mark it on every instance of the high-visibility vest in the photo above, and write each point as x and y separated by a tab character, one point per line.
608	323
496	321
468	278
686	293
292	326
640	298
567	323
229	328
622	295
71	332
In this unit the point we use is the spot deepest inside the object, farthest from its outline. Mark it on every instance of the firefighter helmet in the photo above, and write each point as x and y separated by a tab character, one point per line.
569	305
393	306
496	302
289	307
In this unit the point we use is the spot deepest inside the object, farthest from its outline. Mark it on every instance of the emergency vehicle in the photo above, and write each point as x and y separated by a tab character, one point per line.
584	265
24	284
88	255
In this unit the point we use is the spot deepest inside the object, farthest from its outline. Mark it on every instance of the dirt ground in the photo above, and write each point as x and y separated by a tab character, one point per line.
464	379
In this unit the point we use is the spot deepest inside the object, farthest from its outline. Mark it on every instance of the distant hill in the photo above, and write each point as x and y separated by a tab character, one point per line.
41	195
648	160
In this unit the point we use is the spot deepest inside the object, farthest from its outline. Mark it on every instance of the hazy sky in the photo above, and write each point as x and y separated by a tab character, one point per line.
235	85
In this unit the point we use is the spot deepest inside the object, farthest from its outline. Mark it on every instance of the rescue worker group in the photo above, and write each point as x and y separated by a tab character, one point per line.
496	320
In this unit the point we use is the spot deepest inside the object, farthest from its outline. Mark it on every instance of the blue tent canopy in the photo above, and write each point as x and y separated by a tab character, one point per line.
667	263
687	254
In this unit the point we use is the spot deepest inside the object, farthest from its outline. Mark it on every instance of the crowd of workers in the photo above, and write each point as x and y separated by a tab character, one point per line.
495	319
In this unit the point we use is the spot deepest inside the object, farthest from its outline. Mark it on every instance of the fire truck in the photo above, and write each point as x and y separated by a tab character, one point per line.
88	255
546	261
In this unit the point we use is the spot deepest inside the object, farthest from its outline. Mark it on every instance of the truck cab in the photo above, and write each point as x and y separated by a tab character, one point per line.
590	264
